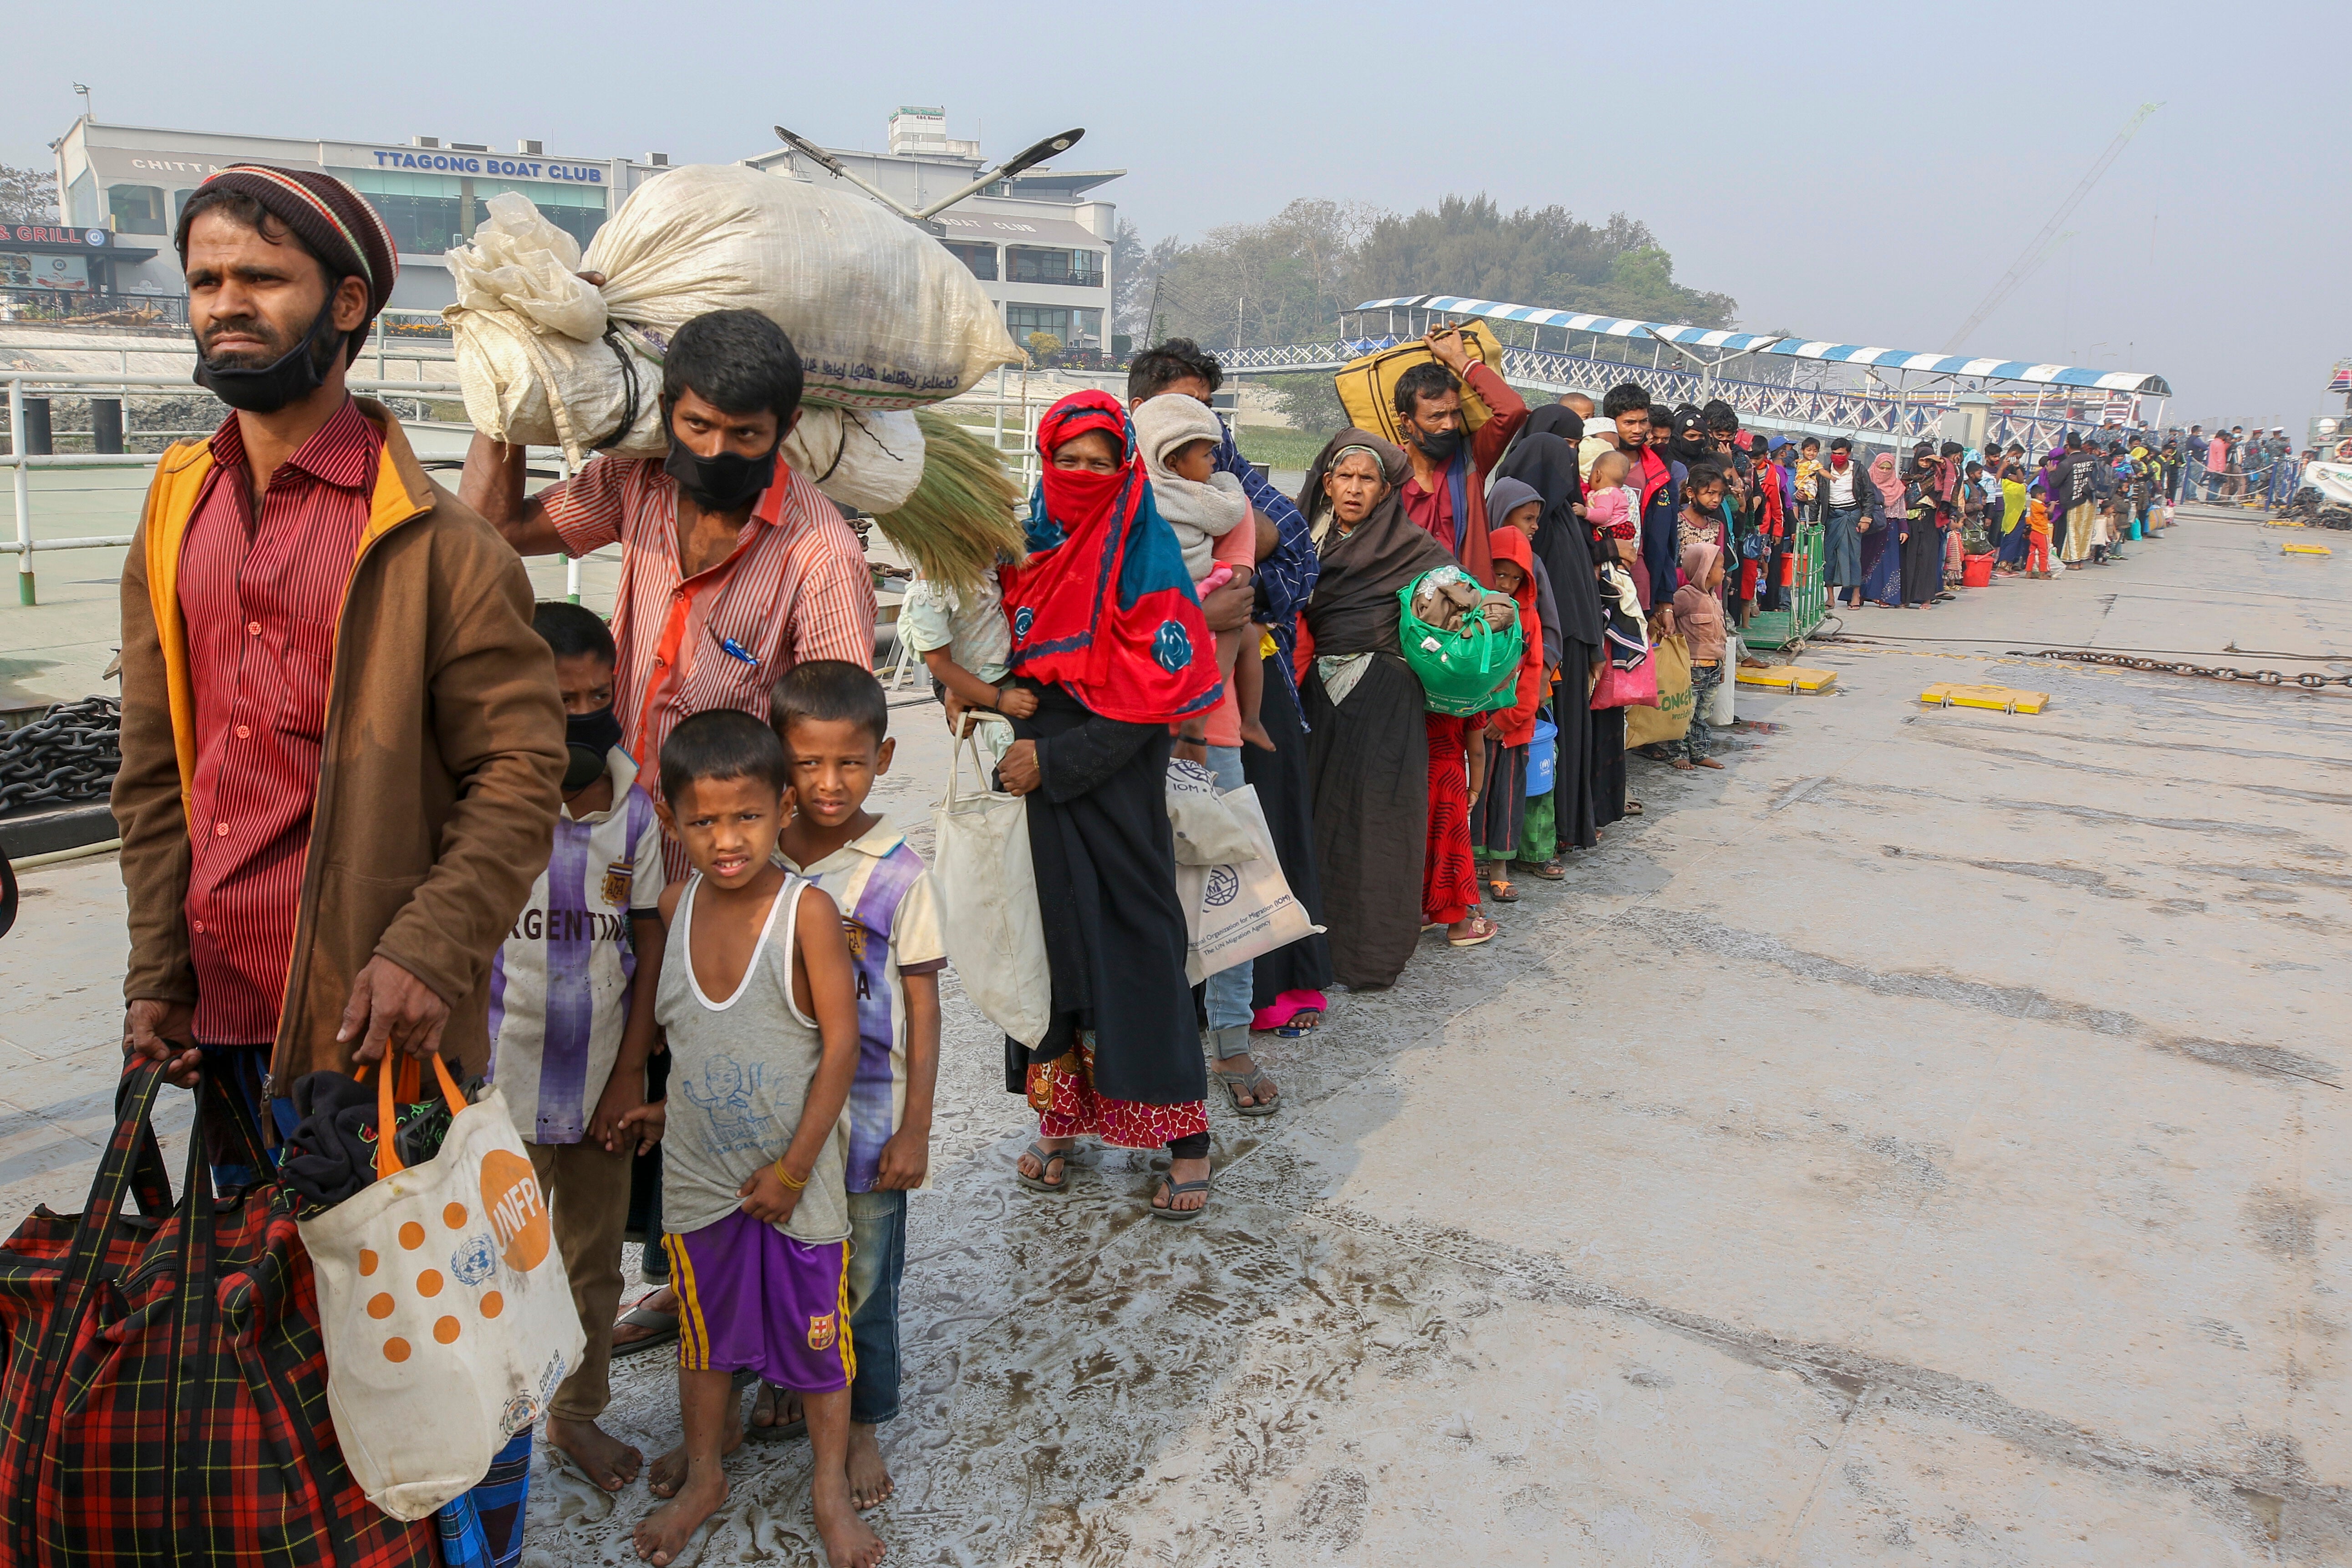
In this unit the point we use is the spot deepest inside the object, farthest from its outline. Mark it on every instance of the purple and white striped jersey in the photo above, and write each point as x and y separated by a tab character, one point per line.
560	984
892	922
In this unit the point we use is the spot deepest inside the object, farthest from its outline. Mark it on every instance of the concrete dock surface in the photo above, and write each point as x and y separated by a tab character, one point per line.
1920	1142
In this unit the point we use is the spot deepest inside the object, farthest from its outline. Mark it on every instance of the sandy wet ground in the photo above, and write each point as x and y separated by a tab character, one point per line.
1919	1143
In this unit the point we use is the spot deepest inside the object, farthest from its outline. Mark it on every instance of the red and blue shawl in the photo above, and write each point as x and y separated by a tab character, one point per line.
1104	608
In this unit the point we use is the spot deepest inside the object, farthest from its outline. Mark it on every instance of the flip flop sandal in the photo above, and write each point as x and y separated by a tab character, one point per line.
1482	931
1304	1022
1504	893
796	1427
1550	870
662	1324
1044	1158
1633	808
1175	1189
1238	1083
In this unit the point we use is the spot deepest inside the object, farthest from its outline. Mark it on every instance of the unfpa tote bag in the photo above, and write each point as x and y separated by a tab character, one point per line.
447	1309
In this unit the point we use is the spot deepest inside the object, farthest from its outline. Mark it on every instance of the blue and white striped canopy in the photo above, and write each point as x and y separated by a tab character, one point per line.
1496	311
1797	348
1574	321
1959	364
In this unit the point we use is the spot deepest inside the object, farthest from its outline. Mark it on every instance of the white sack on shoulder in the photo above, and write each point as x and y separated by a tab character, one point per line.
519	261
883	315
868	458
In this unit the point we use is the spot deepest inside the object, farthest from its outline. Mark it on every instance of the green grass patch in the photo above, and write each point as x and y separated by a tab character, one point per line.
1278	447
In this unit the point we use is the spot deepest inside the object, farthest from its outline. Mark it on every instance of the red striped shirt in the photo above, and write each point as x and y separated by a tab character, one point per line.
260	596
797	588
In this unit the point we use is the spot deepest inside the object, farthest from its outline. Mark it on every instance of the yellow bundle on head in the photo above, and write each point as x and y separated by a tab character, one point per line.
1368	385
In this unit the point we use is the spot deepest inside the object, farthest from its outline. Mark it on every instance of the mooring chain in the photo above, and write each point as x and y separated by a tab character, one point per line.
71	753
2310	680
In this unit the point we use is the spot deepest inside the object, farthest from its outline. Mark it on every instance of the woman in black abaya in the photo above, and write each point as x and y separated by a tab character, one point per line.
1923	548
1368	747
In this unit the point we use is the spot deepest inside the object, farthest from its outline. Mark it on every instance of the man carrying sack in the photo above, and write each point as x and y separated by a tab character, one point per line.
342	741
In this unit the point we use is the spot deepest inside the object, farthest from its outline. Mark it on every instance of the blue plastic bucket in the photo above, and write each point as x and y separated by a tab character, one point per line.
1543	758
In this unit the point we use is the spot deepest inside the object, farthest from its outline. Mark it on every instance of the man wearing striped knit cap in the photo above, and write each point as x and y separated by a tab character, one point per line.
341	740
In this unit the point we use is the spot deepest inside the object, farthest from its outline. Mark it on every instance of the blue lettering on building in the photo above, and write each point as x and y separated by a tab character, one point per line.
466	163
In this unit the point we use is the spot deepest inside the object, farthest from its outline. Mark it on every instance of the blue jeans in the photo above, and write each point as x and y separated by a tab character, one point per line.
878	1260
1228	991
1844	552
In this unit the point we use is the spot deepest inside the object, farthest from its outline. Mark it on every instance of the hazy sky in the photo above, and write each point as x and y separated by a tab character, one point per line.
1863	174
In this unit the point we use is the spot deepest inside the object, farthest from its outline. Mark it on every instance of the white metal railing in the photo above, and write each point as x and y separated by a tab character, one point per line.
1008	415
19	462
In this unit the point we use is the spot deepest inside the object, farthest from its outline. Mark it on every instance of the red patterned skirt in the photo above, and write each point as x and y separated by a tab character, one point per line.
1449	876
1062	1092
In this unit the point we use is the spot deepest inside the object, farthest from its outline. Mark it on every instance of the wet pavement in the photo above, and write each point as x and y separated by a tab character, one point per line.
1919	1141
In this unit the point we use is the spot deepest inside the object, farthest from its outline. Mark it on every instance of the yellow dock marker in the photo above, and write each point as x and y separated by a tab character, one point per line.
2305	550
1789	678
2002	698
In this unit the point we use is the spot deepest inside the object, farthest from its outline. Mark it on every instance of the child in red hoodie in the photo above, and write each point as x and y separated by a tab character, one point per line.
1495	816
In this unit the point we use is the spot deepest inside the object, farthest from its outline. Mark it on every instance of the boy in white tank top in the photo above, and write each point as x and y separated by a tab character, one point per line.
758	999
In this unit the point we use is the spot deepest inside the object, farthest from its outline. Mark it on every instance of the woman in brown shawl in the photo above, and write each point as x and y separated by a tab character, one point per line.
1368	755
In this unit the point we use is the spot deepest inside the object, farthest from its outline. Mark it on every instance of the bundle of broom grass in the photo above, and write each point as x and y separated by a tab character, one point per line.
965	513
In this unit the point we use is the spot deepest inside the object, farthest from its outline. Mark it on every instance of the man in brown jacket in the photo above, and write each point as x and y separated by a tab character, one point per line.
342	741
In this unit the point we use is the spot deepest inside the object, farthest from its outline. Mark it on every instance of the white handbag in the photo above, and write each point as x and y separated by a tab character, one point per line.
986	885
1207	832
444	1305
1237	912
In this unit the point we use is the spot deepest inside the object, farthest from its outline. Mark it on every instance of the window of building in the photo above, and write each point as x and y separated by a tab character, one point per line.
981	258
1031	264
136	209
428	213
1076	329
180	200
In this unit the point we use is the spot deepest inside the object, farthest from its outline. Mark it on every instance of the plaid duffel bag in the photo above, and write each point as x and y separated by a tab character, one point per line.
164	1391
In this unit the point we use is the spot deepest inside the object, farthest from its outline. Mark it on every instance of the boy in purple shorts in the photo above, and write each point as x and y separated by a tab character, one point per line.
835	721
758	999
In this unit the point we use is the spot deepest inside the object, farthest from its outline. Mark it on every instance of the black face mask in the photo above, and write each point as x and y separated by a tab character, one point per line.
722	483
299	371
587	738
1438	445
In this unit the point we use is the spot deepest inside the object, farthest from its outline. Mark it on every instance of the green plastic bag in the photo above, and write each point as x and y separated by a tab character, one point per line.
1473	671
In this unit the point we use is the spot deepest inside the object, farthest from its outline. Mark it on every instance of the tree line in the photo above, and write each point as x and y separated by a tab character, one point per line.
1287	279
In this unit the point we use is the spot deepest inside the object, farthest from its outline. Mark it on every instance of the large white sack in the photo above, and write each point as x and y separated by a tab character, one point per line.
608	398
868	458
883	316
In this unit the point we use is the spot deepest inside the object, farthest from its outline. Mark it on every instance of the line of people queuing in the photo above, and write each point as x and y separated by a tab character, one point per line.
2254	467
1899	535
595	862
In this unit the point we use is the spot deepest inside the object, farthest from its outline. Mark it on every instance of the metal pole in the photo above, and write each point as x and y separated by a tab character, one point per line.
572	565
24	498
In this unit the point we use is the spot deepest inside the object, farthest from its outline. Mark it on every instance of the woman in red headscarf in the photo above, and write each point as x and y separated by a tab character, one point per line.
1108	635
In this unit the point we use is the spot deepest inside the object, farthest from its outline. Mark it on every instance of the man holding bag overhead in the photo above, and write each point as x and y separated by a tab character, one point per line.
734	567
342	742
